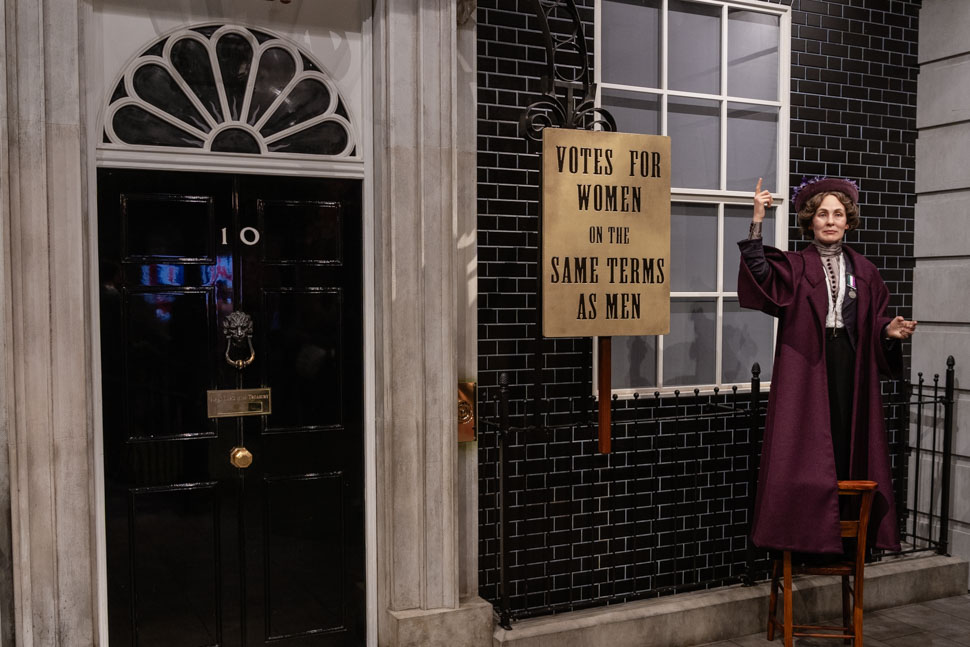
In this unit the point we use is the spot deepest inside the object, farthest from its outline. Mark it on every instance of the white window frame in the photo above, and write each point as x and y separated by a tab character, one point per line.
714	196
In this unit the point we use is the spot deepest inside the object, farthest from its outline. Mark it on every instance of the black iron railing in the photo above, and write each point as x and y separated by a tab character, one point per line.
927	521
565	527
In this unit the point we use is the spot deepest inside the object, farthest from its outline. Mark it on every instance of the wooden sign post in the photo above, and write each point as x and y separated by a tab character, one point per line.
605	241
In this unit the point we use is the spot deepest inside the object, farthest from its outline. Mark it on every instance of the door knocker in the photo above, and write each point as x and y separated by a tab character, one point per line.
238	329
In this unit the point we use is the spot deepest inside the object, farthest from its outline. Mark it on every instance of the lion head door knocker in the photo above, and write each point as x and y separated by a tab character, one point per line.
238	329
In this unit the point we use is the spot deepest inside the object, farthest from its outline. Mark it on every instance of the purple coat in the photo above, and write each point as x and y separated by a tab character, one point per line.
796	506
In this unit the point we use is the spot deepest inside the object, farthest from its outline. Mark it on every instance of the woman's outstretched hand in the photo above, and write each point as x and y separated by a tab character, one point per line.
900	328
762	200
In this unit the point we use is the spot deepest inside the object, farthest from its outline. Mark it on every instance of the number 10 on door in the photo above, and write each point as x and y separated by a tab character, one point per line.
248	236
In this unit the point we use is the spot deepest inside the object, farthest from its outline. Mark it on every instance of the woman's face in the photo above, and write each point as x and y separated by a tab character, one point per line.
829	223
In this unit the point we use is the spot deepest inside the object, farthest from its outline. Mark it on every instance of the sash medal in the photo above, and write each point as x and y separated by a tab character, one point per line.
850	280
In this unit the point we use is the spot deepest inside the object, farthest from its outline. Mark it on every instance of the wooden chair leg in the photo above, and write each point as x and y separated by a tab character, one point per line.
846	606
857	607
789	628
773	601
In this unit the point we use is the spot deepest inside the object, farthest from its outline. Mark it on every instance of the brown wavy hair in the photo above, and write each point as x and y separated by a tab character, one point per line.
807	213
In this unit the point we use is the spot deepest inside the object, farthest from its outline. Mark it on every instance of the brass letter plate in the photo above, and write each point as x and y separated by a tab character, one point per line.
226	403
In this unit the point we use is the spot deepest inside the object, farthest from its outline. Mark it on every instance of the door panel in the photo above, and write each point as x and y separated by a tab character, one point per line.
201	552
164	361
159	227
175	564
304	359
302	232
300	541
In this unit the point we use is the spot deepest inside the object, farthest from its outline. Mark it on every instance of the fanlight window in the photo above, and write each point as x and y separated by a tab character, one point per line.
228	89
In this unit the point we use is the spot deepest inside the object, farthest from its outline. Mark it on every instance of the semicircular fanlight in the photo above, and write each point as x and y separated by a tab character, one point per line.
228	89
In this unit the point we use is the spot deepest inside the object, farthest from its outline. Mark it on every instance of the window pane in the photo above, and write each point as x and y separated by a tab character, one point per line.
135	125
689	348
634	364
191	59
276	68
154	84
235	56
634	112
752	146
737	219
693	247
695	47
694	129
308	99
325	138
631	42
745	339
753	54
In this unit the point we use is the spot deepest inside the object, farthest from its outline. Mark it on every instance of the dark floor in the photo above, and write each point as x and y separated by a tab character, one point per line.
939	623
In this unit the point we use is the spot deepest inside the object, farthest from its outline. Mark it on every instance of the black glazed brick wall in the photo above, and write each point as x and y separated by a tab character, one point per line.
853	114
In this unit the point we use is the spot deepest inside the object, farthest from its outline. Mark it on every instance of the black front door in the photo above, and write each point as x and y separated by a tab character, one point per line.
203	550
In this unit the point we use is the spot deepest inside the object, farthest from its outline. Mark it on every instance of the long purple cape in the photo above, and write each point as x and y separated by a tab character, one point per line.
796	506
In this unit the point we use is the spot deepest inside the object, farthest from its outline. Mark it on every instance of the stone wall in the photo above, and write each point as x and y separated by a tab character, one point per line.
941	301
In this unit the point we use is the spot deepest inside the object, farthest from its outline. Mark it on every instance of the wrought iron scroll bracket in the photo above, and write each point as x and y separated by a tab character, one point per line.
568	94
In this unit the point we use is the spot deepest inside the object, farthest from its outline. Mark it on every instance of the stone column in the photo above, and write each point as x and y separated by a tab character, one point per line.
45	415
416	204
467	277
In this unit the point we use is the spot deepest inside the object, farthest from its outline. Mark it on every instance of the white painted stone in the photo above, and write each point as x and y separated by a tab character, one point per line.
961	426
936	150
960	542
938	20
48	361
941	223
944	92
466	143
418	211
940	290
73	455
8	363
959	508
470	624
940	295
933	343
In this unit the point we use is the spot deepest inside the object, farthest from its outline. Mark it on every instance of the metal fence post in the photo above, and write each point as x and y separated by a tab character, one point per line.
947	455
505	612
747	578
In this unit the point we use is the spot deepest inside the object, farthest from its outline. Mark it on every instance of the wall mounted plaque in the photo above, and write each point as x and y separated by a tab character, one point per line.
228	403
605	233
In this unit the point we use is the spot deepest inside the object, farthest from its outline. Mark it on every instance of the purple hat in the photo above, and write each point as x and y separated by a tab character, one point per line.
816	185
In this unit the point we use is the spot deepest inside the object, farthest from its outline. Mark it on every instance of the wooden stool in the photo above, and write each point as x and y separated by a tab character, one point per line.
851	628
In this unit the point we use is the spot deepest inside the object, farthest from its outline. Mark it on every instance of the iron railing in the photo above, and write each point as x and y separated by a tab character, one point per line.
667	511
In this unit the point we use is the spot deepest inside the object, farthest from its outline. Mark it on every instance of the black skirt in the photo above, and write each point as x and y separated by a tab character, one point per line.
840	368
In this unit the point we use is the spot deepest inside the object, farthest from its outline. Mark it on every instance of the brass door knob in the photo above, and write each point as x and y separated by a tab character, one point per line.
240	457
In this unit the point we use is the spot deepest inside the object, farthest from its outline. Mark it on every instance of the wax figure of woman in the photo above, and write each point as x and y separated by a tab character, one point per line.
825	419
